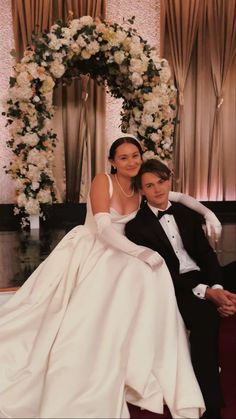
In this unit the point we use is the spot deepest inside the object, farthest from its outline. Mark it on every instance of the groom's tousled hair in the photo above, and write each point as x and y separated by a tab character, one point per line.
153	166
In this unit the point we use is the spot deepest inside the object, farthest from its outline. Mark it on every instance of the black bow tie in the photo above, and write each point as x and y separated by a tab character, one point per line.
168	211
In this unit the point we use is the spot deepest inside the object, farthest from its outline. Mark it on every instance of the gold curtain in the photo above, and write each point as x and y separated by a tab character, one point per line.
182	19
79	123
221	20
205	153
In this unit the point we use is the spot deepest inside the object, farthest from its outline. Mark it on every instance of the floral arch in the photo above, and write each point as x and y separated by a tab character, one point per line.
113	55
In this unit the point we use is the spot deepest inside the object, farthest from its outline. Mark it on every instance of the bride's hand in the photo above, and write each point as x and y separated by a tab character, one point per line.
152	258
213	226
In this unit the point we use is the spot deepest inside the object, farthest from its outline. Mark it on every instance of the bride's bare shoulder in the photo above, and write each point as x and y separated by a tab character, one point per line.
99	194
100	180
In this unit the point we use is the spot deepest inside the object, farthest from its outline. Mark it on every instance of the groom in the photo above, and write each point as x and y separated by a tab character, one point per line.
176	233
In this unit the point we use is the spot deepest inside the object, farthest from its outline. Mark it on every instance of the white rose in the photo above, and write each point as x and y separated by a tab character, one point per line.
35	186
119	57
57	69
165	74
136	79
74	26
75	48
119	37
66	33
44	196
55	43
136	49
155	137
148	155
93	47
32	68
147	120
137	65
81	41
86	21
48	85
20	93
23	79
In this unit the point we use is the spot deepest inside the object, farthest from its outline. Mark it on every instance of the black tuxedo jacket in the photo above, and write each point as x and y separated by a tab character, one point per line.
146	230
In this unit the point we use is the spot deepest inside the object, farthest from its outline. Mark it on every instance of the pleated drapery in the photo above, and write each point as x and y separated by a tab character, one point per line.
79	123
198	39
221	22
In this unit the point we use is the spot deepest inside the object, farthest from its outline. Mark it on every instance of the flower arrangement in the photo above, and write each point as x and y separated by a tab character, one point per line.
113	55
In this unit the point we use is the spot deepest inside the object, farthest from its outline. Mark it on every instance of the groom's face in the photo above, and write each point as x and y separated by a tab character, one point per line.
155	189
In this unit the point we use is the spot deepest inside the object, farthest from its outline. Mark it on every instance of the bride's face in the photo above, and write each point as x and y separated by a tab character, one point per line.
127	160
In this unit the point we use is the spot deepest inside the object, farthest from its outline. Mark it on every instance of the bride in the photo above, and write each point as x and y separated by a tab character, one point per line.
97	325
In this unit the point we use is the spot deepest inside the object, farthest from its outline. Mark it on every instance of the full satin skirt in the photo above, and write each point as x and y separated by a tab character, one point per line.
91	329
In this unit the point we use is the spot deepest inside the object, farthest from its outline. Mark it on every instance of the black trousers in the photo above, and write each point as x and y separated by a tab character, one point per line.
202	320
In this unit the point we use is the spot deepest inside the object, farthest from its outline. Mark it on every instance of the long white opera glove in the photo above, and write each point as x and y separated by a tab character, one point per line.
110	236
213	225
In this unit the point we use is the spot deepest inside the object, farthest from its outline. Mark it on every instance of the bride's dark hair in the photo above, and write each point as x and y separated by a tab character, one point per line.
117	143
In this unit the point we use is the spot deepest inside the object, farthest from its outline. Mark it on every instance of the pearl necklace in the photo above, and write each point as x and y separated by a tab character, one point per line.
122	190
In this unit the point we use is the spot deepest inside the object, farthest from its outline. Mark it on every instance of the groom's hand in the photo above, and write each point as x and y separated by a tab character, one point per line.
221	297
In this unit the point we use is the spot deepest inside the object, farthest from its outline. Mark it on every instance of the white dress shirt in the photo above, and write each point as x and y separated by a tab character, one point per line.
186	263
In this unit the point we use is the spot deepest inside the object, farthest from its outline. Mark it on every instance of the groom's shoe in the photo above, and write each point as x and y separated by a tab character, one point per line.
212	414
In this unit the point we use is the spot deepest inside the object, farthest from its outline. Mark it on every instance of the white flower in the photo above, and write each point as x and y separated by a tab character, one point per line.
165	74
57	69
35	185
147	119
93	47
75	47
55	43
23	79
136	79
136	48
32	69
119	37
32	206
119	57
149	155
86	21
44	196
20	93
19	184
81	41
47	86
37	157
30	139
21	200
33	173
137	65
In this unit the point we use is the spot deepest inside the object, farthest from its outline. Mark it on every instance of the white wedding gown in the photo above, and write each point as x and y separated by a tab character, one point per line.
91	329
